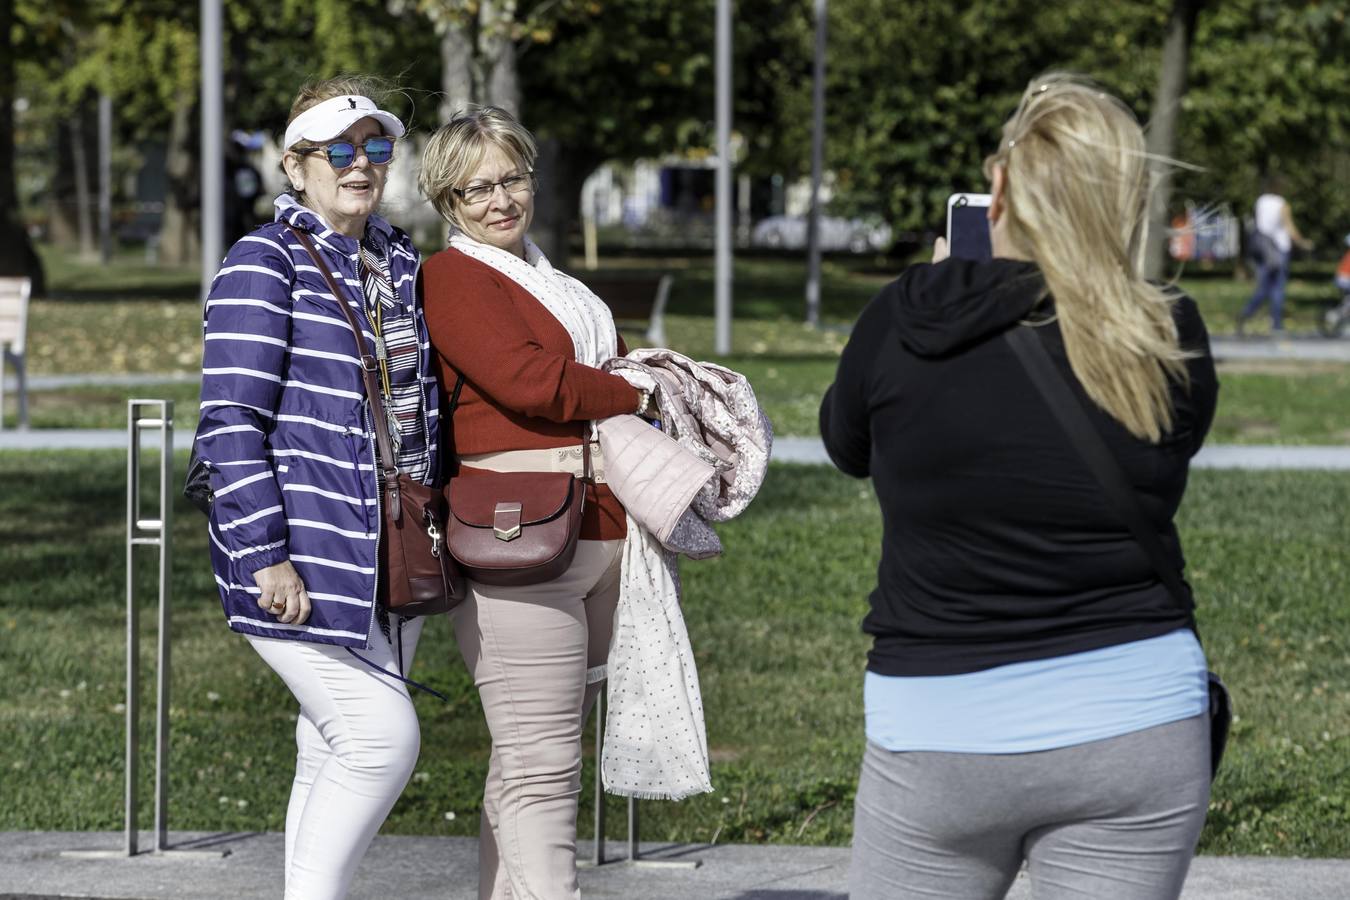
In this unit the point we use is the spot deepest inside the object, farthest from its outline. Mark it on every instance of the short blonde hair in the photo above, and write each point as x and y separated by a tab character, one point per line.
458	148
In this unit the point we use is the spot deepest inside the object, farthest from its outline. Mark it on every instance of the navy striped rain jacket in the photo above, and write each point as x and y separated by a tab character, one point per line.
286	429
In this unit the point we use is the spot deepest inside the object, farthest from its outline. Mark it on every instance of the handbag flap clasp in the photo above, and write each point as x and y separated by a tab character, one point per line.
506	520
542	496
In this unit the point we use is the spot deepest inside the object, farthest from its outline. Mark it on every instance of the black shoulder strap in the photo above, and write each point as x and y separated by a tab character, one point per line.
1068	411
454	397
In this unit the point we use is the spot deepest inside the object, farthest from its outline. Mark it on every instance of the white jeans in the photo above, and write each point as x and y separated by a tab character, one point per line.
357	741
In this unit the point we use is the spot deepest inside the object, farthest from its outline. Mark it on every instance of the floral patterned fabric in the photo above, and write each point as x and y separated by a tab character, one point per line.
711	411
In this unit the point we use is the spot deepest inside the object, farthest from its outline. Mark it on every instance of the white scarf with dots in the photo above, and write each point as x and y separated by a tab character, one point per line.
584	315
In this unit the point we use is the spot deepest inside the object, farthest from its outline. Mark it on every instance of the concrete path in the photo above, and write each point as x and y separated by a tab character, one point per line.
61	382
1219	456
422	868
785	449
1308	348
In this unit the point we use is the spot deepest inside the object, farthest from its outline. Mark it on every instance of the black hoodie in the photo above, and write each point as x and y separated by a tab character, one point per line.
998	545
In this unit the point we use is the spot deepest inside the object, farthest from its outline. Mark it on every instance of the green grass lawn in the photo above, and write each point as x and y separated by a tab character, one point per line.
775	629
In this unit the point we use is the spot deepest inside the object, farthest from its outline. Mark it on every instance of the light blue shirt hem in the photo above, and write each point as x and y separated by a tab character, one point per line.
1041	704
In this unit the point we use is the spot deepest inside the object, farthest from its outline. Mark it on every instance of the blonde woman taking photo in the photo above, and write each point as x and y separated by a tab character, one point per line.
1033	693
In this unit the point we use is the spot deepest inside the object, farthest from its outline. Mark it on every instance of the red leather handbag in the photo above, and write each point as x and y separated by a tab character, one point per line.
515	528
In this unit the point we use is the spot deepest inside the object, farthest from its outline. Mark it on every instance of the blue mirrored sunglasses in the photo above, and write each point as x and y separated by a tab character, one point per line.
341	154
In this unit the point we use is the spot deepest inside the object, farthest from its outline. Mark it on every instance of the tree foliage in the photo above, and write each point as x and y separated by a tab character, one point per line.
916	92
1270	94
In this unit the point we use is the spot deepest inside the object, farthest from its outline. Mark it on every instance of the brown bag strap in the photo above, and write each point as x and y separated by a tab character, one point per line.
369	366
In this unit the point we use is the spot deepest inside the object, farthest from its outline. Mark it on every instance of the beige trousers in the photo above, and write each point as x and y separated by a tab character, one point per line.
529	649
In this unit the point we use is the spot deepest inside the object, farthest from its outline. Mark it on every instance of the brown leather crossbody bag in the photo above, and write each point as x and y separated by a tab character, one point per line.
515	528
420	577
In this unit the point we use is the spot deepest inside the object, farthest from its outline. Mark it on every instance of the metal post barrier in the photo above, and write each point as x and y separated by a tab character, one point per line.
143	415
634	857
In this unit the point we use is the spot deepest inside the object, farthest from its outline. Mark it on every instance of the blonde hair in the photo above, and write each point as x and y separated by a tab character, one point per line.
458	147
1076	195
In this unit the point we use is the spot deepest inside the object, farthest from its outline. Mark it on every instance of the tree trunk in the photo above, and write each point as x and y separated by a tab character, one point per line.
62	228
17	257
1162	128
456	70
557	205
498	51
548	230
178	234
84	198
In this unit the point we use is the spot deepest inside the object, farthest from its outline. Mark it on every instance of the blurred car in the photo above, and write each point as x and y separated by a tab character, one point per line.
836	234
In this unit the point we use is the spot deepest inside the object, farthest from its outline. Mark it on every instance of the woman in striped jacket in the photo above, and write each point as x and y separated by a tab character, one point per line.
287	434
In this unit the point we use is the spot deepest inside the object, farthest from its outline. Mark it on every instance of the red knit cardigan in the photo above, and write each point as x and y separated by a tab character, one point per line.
523	388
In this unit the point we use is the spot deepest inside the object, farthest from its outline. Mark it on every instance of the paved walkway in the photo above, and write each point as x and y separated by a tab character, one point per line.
422	868
1219	456
1309	348
785	449
1296	347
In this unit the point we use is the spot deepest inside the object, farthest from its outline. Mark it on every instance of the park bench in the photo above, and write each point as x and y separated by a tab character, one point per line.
13	329
638	302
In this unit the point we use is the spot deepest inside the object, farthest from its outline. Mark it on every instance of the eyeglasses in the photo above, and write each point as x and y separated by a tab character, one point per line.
341	154
479	193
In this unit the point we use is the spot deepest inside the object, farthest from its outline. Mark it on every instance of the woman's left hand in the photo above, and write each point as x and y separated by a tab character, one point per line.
282	593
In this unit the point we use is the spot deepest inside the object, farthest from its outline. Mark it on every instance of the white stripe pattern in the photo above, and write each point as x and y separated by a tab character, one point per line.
318	423
236	485
243	301
334	564
251	517
251	338
281	626
325	526
331	495
229	429
237	370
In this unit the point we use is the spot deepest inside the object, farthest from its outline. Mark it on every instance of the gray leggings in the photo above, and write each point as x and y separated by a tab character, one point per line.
1117	818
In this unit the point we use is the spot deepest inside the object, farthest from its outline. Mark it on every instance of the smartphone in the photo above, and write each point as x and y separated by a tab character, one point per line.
968	226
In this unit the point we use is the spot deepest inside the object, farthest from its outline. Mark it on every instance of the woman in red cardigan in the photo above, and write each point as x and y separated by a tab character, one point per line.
528	340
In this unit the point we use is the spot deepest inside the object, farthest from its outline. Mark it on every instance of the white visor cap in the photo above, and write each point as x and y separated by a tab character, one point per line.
335	115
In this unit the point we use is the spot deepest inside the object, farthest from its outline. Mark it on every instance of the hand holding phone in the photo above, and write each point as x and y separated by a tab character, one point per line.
968	226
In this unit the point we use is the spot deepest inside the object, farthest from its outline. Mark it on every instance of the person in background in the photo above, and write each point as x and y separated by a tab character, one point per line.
1273	238
528	341
243	185
1033	692
287	435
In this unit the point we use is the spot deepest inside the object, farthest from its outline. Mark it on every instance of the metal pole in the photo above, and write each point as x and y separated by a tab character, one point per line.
722	278
133	699
162	656
599	781
143	415
817	165
633	851
105	177
212	156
